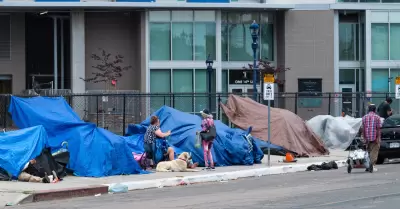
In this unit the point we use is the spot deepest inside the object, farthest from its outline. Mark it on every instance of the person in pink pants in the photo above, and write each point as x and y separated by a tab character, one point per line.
207	122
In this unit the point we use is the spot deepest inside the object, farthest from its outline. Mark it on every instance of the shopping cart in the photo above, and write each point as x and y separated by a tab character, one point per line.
359	157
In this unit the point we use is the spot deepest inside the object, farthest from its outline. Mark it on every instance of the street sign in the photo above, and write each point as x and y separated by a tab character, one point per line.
398	80
397	91
268	91
269	78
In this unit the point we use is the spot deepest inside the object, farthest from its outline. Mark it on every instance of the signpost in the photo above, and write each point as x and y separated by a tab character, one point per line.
269	80
397	87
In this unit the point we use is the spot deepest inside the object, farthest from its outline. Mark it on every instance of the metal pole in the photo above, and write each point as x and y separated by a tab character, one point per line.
269	133
62	52
254	70
55	53
209	90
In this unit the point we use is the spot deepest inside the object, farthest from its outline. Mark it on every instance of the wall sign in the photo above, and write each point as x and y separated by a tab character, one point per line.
241	77
309	89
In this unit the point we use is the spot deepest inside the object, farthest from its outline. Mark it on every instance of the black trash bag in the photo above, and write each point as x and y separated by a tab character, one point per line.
323	166
46	163
4	176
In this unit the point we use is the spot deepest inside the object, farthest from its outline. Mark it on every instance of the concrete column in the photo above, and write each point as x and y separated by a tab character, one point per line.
218	66
78	51
336	58
368	72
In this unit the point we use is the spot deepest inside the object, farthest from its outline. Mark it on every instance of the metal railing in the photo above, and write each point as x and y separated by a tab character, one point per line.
115	111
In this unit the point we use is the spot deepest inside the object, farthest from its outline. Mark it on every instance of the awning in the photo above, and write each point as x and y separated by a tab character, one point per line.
143	5
365	6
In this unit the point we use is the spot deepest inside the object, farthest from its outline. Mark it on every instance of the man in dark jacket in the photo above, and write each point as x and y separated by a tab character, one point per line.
384	109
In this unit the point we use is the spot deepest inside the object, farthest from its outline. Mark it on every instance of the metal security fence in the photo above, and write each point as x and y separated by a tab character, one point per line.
115	111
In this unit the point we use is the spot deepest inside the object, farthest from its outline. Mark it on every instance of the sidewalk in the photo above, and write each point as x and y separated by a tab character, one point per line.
71	186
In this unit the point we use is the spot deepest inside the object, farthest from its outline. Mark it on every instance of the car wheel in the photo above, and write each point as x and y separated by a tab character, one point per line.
380	160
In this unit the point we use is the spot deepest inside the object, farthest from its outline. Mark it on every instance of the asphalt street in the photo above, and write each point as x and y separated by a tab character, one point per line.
333	189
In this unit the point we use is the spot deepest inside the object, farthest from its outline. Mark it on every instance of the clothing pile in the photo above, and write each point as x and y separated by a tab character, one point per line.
323	166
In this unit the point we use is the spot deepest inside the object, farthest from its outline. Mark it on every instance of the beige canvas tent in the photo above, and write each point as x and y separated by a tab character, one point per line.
287	129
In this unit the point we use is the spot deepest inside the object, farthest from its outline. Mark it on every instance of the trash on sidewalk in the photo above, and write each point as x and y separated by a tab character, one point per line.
118	188
97	195
323	166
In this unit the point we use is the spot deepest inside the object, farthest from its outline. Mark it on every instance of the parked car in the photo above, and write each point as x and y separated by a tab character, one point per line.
390	139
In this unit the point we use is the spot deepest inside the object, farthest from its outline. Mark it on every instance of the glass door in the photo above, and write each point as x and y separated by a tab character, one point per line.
348	101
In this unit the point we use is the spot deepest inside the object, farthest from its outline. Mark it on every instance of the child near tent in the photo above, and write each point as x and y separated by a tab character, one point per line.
208	135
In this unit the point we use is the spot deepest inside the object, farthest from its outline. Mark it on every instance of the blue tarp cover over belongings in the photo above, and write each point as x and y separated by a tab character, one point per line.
94	152
230	145
18	147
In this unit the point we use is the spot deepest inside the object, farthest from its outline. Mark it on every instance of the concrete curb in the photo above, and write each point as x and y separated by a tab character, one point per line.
178	181
47	195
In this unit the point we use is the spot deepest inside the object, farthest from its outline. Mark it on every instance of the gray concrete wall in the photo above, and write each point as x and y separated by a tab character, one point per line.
116	33
16	65
309	52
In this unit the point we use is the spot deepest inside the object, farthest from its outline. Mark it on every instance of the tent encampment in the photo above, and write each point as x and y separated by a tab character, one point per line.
287	129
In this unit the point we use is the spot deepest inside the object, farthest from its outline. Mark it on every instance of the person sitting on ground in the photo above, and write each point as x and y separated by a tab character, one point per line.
29	174
153	132
207	137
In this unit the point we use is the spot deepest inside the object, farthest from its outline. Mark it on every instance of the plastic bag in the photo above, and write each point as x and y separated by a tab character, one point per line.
198	141
118	188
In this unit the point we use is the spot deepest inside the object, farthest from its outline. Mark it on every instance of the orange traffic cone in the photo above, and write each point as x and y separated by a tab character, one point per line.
289	158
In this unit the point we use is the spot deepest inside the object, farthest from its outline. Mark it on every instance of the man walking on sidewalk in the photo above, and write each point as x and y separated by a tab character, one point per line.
372	133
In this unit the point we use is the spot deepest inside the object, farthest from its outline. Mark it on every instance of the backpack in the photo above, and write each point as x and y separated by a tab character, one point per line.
210	134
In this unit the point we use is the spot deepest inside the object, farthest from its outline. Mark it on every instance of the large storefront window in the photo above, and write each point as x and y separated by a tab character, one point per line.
348	41
184	82
380	41
236	36
189	35
380	85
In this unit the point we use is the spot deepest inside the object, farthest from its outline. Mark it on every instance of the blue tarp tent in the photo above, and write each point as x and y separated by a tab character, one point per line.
18	147
94	152
230	146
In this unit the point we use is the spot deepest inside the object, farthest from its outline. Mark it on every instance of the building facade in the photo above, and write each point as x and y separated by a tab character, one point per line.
345	46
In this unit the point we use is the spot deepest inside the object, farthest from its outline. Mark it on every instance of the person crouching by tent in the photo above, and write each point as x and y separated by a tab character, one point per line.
29	174
152	133
208	134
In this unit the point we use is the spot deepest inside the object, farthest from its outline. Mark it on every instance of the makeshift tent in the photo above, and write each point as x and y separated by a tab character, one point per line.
94	152
287	129
18	147
230	145
336	132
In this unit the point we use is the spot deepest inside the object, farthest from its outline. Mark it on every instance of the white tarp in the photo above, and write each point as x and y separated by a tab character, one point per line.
336	132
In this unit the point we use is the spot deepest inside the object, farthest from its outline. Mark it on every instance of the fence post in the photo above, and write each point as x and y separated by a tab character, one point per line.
123	116
97	110
173	100
295	103
329	104
219	106
5	112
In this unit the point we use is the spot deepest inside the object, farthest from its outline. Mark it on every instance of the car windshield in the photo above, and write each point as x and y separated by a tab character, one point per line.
391	122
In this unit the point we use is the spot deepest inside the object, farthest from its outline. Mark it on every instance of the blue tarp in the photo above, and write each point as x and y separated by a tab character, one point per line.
230	146
18	147
94	152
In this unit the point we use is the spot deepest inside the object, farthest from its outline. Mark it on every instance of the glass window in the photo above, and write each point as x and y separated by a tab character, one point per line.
348	41
362	41
160	82
160	41
346	76
390	1
201	86
379	85
380	41
393	74
183	83
236	36
205	40
267	41
182	41
224	81
239	36
371	1
395	41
